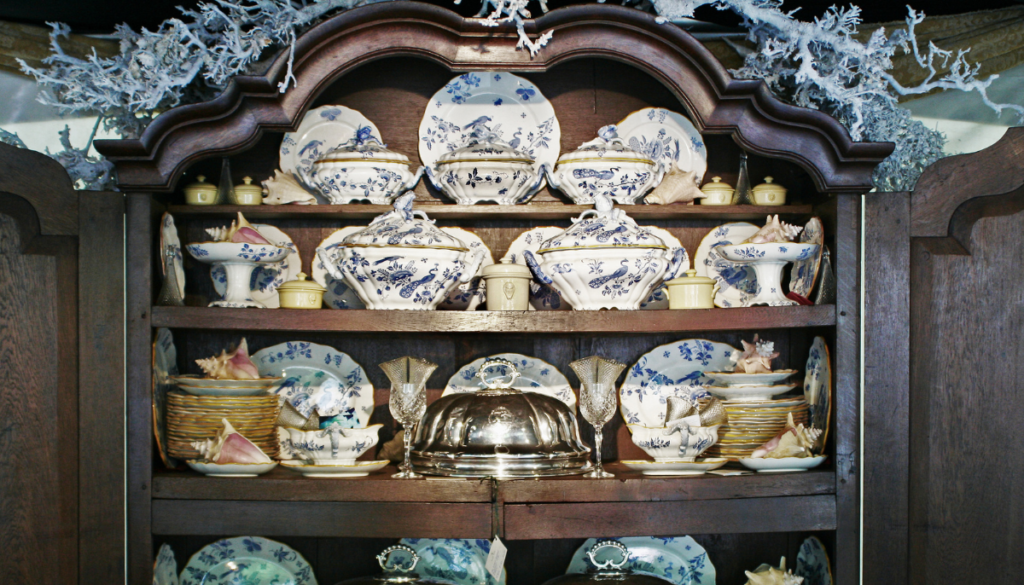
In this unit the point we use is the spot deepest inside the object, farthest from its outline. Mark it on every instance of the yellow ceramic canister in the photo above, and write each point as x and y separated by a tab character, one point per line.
691	291
247	193
718	193
301	293
508	287
769	193
201	192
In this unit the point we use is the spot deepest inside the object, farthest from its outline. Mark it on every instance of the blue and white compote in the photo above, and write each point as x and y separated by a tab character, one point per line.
605	260
768	260
238	260
363	169
401	260
606	165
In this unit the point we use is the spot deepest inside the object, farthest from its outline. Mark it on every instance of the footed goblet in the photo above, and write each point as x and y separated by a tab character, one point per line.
597	400
408	402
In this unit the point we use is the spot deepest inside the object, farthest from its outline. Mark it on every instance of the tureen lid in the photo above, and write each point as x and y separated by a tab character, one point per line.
602	227
301	284
484	146
404	228
360	148
606	147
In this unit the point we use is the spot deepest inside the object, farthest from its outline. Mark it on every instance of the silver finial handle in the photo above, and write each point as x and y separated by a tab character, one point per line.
385	556
609	564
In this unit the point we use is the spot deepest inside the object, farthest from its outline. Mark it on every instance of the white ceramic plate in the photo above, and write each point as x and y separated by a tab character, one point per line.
805	272
749	393
669	370
357	469
165	365
507	104
319	377
542	297
454	560
535	375
667	137
767	405
265	277
818	387
783	464
165	569
231	469
812	563
698	467
200	382
742	379
677	559
339	294
737	282
322	129
658	299
468	296
252	560
169	241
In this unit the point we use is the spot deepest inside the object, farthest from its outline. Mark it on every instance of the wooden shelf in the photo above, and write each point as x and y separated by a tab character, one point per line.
555	322
485	212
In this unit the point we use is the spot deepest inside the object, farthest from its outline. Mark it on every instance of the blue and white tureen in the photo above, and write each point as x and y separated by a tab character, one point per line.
606	165
363	169
401	260
605	260
486	170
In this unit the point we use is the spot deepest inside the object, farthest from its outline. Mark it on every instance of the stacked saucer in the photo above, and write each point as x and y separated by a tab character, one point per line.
751	424
198	418
199	386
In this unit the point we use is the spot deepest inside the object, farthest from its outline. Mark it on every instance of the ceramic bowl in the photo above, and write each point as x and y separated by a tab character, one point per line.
681	445
605	165
749	392
363	170
743	379
322	446
774	252
210	252
486	171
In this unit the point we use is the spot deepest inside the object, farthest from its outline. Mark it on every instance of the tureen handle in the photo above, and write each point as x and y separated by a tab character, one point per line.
385	556
330	262
411	183
476	258
609	564
535	267
549	173
433	180
680	263
542	173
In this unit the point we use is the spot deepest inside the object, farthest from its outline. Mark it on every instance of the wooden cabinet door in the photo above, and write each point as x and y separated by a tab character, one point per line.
61	376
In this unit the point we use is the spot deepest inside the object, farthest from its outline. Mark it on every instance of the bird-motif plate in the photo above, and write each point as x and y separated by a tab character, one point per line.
457	561
252	560
666	137
805	272
812	563
169	242
818	387
508	105
542	296
265	277
322	130
535	375
677	559
737	283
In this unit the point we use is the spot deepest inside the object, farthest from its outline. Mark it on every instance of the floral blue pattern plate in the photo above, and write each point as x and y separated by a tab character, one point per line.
322	130
165	365
737	282
535	375
818	387
165	569
266	277
169	242
319	377
805	272
677	559
542	296
507	104
667	137
672	369
247	560
812	563
455	560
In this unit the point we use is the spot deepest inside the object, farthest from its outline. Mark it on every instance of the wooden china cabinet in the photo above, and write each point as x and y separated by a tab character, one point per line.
385	61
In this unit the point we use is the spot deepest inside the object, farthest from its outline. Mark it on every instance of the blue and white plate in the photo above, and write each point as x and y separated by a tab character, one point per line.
666	137
804	272
265	277
535	375
248	560
322	130
812	563
165	365
508	105
165	569
818	387
454	560
169	242
737	282
677	559
321	378
339	294
542	296
673	369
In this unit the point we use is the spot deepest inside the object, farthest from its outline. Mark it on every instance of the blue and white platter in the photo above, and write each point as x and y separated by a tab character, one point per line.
818	387
535	375
737	282
677	559
812	563
666	137
454	560
165	569
248	560
322	130
321	378
673	369
805	272
508	105
265	277
169	242
165	365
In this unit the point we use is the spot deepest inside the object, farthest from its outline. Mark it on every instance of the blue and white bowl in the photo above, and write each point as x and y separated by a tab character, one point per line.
363	170
486	171
606	166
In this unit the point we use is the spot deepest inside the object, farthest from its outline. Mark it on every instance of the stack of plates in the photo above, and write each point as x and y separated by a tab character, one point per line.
200	386
197	418
752	424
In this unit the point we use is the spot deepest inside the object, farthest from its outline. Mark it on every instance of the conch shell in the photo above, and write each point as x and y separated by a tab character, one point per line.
230	447
756	357
231	366
768	575
283	188
676	187
685	412
795	441
774	231
240	232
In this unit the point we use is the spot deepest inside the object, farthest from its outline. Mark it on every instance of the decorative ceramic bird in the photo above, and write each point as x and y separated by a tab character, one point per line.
619	273
410	288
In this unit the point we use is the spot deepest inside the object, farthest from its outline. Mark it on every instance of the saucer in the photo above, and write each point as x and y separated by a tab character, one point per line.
783	464
698	467
357	469
231	469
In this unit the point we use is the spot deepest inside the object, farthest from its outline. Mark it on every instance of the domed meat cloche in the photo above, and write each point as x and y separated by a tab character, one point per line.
499	432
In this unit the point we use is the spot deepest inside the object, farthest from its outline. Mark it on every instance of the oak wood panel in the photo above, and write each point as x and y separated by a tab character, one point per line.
41	182
362	519
886	387
561	322
586	520
101	402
